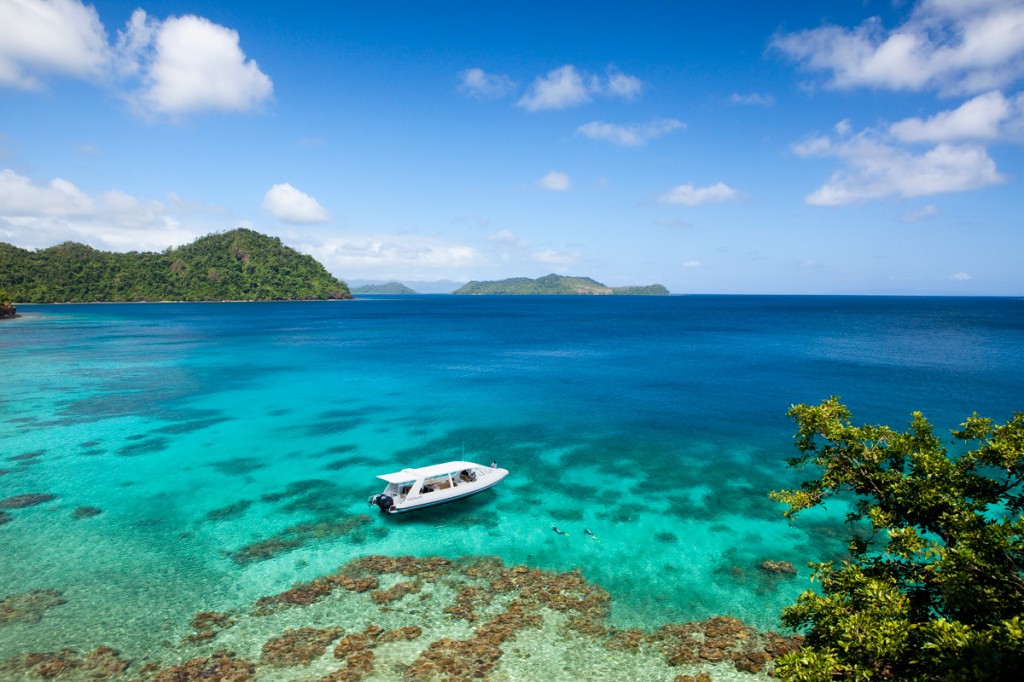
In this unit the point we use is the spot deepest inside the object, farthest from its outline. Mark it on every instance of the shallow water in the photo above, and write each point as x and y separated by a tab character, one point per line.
230	448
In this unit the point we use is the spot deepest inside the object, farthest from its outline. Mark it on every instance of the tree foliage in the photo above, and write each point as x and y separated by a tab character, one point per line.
239	265
934	586
7	308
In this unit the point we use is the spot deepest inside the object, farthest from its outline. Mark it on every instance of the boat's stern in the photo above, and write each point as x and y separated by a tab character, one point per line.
384	501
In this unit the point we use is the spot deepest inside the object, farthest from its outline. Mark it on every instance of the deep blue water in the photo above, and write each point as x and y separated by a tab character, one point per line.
658	423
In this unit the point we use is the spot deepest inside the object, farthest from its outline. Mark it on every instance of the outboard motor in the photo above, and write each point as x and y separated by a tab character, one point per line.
383	501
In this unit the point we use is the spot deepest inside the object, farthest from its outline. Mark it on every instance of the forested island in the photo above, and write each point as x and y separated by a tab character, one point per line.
238	265
556	285
392	288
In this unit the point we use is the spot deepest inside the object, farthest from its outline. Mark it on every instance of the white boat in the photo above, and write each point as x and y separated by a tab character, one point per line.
411	489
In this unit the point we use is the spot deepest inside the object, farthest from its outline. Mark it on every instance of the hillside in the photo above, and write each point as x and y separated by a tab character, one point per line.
556	285
392	288
239	265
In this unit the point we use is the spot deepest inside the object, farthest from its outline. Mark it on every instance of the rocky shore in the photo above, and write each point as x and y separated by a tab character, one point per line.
7	310
417	619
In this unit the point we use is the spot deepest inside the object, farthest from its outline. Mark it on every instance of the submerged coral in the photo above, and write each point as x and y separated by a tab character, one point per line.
468	620
26	500
28	606
103	663
297	536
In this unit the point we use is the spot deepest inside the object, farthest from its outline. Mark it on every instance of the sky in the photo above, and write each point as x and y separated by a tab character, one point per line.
811	147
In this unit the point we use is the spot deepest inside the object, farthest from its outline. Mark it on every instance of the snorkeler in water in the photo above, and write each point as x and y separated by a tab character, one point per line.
587	532
560	532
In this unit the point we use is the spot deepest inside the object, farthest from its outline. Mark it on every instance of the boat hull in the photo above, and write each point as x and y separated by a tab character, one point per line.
423	504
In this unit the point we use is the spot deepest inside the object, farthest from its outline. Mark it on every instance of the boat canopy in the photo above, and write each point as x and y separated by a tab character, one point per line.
407	475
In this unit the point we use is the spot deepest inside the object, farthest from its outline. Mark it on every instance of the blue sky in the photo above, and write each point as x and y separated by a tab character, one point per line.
730	147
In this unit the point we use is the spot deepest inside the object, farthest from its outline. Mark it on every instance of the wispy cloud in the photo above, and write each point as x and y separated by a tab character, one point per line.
630	135
476	82
693	264
923	213
990	116
40	214
752	99
688	195
291	205
391	256
555	180
952	47
557	258
875	168
960	277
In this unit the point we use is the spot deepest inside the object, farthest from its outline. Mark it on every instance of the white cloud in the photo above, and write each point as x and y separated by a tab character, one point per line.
954	47
291	205
815	146
693	264
556	181
478	83
193	65
688	195
61	37
960	277
923	213
39	215
561	88
176	66
752	99
19	196
621	85
981	118
566	87
630	135
876	169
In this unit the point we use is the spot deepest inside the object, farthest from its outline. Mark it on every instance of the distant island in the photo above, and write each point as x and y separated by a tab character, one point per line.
392	288
556	285
237	265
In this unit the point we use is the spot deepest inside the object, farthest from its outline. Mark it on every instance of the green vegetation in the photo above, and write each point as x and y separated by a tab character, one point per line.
556	285
934	588
7	308
649	290
392	288
239	265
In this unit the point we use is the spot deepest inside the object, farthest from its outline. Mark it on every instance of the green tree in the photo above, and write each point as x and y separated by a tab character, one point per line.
934	586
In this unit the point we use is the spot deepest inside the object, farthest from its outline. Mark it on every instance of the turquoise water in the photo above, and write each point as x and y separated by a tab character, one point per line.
198	430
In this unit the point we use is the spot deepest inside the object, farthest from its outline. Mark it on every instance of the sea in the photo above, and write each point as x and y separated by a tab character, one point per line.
177	458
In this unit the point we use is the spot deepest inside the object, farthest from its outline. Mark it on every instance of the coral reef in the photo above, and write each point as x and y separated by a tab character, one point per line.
86	512
28	606
474	610
103	663
300	646
208	624
222	666
297	536
780	567
26	500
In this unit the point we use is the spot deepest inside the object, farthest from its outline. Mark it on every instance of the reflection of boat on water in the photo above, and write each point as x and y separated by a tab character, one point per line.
411	489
